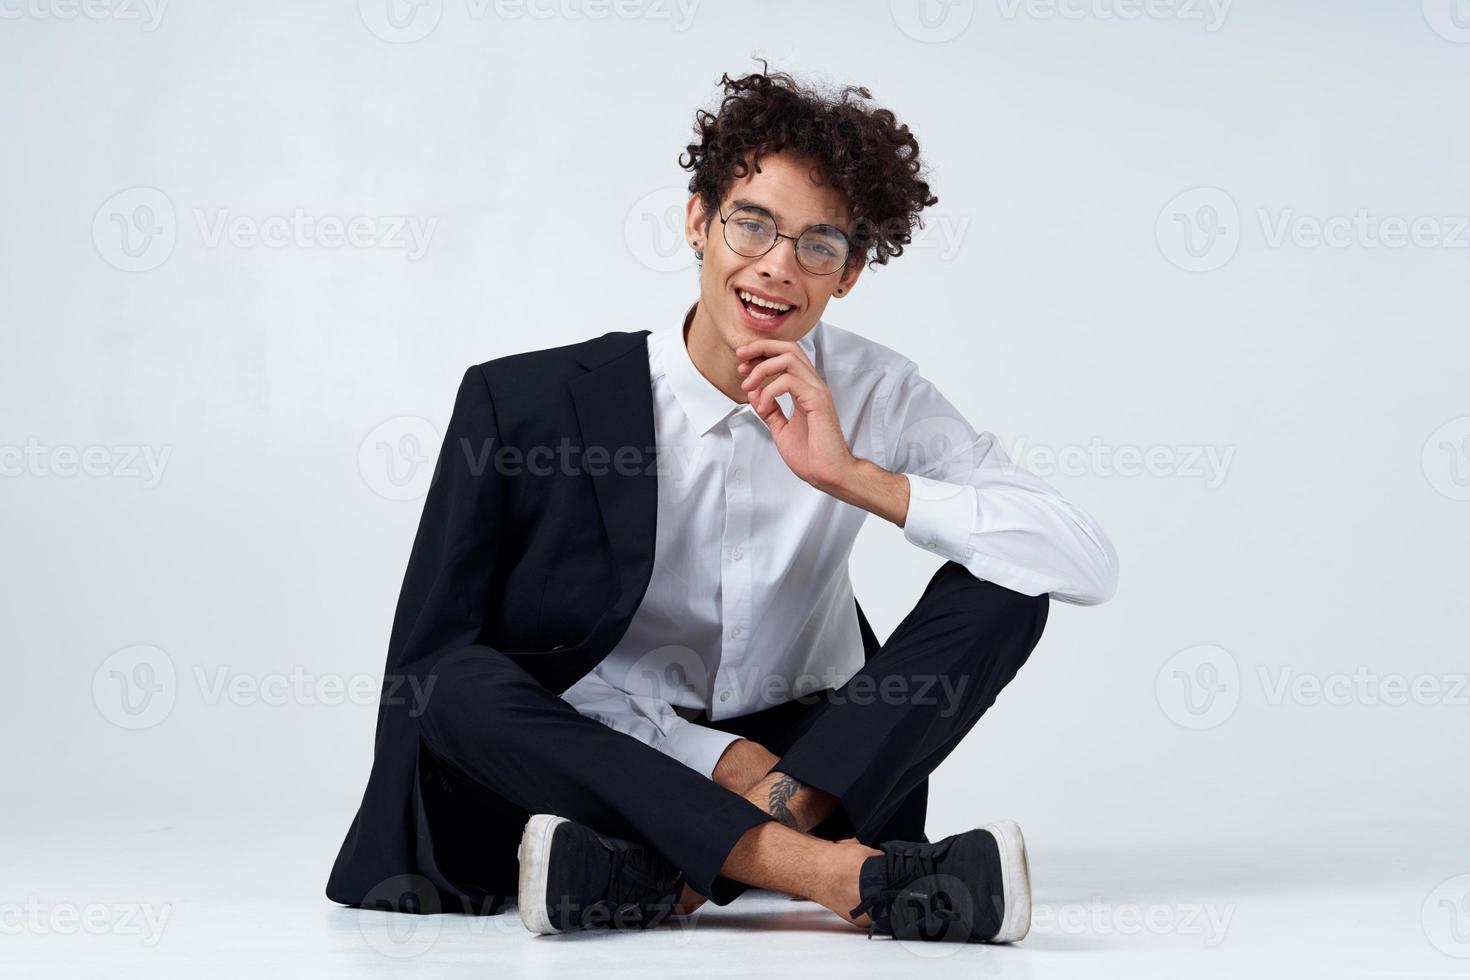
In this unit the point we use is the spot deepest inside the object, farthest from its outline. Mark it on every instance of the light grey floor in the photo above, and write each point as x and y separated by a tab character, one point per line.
199	900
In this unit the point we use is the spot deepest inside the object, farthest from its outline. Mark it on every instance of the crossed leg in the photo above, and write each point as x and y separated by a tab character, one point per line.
867	748
873	741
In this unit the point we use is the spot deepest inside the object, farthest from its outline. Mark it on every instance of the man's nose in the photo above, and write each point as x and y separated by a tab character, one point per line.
780	262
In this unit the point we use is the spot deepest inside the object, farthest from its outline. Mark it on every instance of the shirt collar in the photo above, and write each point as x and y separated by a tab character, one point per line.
705	405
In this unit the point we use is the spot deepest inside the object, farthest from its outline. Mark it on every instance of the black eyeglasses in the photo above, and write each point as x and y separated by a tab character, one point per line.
751	231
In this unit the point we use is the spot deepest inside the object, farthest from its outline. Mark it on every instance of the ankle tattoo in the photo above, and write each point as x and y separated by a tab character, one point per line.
780	796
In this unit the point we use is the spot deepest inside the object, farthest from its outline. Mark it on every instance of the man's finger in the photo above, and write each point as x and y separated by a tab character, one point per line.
784	383
773	366
769	368
774	417
772	348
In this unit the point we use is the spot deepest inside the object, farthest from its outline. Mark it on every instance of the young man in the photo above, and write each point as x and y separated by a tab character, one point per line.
628	597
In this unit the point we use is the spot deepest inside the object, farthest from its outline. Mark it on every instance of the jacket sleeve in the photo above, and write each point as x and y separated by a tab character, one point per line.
444	602
969	503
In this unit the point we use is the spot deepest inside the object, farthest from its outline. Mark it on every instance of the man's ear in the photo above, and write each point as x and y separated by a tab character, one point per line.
848	279
696	222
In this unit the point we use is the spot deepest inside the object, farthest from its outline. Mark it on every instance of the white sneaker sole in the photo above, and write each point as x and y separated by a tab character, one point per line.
1015	877
535	860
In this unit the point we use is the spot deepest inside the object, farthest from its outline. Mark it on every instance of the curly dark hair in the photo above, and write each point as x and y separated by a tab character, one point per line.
860	150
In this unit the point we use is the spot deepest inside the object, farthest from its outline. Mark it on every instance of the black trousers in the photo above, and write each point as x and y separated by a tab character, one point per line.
500	747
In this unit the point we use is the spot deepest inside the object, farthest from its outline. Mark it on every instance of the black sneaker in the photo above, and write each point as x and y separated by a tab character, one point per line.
972	886
574	878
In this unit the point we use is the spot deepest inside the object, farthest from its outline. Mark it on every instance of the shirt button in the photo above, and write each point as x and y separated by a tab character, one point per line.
737	474
737	631
737	554
724	695
931	543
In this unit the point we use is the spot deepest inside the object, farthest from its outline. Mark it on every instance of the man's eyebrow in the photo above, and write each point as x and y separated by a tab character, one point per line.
745	202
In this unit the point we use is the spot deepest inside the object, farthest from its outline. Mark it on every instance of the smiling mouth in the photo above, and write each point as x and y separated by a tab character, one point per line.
760	313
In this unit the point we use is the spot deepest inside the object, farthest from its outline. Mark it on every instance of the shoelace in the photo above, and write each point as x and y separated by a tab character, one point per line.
927	914
640	894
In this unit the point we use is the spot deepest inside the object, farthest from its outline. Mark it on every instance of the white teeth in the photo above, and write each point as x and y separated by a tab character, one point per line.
778	307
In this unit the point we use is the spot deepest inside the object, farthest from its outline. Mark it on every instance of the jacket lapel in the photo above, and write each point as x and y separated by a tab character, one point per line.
614	405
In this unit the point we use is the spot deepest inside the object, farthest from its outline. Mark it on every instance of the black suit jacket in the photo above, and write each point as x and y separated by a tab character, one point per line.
536	540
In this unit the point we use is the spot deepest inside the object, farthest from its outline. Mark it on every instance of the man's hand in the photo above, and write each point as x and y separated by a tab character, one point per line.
743	764
811	441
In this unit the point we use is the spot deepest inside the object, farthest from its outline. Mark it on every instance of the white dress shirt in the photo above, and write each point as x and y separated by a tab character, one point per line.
749	604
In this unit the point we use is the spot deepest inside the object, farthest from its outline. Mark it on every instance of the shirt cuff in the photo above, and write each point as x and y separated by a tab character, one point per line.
941	517
697	747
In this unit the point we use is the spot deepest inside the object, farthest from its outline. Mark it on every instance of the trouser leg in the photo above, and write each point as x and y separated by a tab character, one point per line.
493	723
875	740
778	728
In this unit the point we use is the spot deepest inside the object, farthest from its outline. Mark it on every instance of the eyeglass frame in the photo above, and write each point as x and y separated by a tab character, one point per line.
724	227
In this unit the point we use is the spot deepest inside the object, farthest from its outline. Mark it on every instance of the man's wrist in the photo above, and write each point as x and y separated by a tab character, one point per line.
742	765
867	485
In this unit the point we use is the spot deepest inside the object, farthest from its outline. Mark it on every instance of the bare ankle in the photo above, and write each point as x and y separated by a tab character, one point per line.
839	876
688	901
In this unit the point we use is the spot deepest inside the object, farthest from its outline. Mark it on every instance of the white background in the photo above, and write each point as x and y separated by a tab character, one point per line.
1063	293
